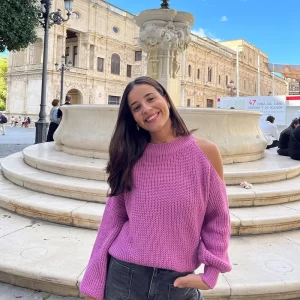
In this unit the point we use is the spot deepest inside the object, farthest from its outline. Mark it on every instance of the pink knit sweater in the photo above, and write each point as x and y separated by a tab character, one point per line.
176	217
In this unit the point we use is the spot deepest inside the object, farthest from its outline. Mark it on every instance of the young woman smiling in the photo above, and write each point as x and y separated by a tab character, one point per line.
167	211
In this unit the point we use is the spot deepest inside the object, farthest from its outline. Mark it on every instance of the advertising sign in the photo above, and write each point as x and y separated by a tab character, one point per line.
268	105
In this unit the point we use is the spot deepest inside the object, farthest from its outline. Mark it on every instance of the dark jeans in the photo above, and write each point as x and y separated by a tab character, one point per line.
53	126
274	144
126	281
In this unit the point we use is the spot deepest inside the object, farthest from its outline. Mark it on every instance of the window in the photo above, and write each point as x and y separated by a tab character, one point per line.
138	55
190	70
115	30
188	102
198	74
75	56
226	80
75	15
219	79
209	74
129	67
100	64
113	100
115	64
209	103
67	55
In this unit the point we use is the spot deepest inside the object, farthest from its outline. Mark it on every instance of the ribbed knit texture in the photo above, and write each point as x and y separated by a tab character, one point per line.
176	217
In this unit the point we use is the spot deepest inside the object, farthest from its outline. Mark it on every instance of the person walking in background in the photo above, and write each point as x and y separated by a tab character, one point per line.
284	139
294	144
68	102
270	131
54	121
12	121
3	120
159	175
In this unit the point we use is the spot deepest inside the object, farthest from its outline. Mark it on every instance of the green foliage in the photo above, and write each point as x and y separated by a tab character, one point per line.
3	81
2	106
18	19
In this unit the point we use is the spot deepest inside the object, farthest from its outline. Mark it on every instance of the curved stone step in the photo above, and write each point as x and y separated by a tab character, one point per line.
22	174
44	157
15	170
52	258
271	168
244	221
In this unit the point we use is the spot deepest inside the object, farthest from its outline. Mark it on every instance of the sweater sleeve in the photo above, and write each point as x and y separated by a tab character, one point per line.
215	234
114	217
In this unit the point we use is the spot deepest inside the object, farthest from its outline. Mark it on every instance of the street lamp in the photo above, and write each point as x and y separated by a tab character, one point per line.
47	19
64	67
231	89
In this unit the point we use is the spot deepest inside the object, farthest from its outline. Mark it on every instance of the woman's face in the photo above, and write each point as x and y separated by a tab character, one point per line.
149	108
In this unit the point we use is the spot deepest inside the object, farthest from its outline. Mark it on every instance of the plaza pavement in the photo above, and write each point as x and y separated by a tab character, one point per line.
15	140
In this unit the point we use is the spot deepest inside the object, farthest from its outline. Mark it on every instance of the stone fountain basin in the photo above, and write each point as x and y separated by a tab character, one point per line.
86	130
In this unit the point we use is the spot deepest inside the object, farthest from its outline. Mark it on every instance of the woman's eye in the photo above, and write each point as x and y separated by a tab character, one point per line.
150	99
136	108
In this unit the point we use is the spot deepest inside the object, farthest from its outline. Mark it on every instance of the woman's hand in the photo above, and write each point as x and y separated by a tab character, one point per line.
89	298
191	281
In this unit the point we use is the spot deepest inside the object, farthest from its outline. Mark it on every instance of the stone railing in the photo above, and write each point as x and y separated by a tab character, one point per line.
86	130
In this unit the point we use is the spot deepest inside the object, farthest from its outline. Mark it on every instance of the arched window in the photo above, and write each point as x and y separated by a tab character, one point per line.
198	73
115	64
190	70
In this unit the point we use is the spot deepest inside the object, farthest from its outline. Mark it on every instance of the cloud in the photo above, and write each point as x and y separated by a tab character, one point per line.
223	19
201	32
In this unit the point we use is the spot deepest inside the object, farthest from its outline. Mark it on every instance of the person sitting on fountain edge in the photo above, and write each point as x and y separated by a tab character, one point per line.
270	131
283	145
167	211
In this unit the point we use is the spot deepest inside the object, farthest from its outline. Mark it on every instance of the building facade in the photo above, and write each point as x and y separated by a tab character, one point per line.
101	43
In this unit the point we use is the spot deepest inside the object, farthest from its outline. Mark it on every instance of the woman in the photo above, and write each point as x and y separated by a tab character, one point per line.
54	122
283	145
167	212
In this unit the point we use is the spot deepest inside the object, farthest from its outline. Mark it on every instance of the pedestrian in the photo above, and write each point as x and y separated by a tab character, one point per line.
68	102
54	121
270	131
12	121
24	121
3	120
167	211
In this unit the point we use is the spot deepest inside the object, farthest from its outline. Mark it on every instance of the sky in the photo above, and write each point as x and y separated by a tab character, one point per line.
271	25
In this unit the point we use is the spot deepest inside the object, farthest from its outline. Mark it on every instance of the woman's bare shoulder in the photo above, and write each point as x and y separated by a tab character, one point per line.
212	153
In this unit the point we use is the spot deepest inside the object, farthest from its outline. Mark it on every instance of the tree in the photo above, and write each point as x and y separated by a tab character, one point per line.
18	19
3	82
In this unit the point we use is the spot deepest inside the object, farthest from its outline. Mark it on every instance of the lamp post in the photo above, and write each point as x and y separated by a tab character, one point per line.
47	19
64	67
231	89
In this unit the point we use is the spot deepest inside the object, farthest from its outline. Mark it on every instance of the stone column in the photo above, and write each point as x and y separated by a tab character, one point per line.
164	35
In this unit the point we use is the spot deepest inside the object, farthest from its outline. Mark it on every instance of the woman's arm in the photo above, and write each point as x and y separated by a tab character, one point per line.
114	217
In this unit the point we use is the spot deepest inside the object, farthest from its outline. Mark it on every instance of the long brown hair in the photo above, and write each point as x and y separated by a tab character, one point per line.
128	144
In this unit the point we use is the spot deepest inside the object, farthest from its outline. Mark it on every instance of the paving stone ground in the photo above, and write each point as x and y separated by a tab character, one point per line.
10	292
15	140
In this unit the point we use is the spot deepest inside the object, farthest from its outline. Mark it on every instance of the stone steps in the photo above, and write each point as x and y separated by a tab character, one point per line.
42	256
16	171
271	168
9	292
244	221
